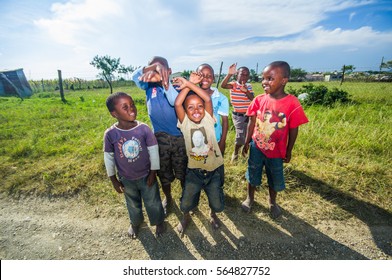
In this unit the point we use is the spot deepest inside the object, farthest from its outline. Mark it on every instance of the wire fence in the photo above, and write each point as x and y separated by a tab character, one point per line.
74	84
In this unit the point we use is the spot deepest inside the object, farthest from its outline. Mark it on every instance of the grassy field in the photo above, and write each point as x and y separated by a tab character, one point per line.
341	163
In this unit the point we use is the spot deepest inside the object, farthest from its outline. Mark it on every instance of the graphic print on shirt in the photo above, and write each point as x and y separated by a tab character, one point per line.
130	149
265	128
200	145
154	92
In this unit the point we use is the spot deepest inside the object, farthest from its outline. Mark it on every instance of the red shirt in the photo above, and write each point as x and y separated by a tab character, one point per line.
274	118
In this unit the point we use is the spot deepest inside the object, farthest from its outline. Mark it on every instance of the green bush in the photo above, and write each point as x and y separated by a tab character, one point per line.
320	94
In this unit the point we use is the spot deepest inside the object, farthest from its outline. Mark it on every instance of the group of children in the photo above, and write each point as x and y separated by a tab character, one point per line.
188	141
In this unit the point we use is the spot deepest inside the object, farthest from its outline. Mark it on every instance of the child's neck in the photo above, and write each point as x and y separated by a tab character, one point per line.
126	125
278	95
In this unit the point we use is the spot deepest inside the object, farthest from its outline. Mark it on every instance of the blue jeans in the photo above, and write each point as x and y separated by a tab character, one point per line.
273	168
210	181
135	192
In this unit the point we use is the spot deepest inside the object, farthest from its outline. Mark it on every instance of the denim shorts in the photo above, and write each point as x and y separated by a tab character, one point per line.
273	168
137	192
172	156
209	181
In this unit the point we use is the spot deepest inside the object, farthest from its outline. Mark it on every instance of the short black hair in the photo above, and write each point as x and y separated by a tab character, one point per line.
282	65
111	100
159	59
191	93
244	68
208	66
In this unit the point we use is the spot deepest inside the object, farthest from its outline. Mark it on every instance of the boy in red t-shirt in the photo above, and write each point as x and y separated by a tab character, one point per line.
274	118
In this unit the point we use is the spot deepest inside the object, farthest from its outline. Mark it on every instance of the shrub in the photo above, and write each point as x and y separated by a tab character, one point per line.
321	95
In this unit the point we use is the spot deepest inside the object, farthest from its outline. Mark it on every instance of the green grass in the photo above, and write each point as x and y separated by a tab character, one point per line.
341	161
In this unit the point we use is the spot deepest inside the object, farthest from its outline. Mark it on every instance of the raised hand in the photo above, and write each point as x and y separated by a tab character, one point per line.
233	69
196	77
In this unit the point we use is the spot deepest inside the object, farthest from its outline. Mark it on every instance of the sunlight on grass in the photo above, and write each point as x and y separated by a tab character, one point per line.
48	148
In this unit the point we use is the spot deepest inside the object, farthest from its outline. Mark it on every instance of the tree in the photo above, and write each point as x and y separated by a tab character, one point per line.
348	68
186	74
253	76
126	70
297	74
386	65
108	66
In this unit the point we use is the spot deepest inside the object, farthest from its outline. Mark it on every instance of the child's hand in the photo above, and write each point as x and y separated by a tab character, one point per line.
164	73
243	87
152	177
150	77
288	157
180	82
196	77
233	69
245	150
119	187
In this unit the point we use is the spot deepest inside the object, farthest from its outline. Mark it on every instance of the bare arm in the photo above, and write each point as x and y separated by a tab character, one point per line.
293	133
249	133
225	83
244	89
225	128
191	85
180	100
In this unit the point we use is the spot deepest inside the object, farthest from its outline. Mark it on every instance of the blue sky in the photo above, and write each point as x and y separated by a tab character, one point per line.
43	36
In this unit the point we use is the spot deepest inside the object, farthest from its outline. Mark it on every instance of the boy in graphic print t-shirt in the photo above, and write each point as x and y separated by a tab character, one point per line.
205	161
274	118
132	160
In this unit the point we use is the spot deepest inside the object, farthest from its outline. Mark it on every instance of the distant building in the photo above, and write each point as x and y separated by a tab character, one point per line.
314	77
14	83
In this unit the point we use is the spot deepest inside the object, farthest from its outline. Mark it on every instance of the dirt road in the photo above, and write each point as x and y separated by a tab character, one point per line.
72	229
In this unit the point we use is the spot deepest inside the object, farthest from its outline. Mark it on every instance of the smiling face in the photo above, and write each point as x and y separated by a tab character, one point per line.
208	76
273	80
243	75
194	108
124	111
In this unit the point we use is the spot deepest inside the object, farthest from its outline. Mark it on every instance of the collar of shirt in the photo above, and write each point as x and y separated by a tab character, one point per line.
216	92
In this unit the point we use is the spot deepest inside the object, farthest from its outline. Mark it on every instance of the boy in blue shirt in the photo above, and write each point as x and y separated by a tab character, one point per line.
220	104
160	97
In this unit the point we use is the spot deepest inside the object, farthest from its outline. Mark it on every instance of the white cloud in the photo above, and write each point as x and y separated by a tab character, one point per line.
317	39
351	16
186	32
72	19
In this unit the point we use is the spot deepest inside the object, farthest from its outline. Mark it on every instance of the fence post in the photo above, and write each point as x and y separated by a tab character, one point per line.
61	86
219	75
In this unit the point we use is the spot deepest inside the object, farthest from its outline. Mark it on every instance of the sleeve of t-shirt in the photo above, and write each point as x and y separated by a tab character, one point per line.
108	155
110	164
135	78
250	89
152	147
171	94
252	109
223	110
153	151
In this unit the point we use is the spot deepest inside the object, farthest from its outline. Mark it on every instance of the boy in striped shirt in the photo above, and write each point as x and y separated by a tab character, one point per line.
241	95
